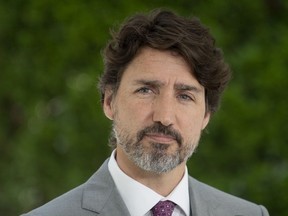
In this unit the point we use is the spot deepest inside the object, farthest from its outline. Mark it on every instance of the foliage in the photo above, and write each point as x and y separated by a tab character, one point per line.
53	133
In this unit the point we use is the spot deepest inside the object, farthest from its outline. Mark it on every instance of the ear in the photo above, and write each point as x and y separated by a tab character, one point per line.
108	104
206	120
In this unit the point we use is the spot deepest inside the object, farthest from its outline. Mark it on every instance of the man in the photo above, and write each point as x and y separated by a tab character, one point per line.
162	82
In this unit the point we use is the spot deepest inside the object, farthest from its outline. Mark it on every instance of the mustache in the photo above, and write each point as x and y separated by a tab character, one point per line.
160	129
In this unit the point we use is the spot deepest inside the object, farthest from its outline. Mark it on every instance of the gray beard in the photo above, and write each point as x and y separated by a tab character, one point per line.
156	157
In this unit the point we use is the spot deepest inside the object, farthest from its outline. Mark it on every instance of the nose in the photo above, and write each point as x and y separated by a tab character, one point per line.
164	110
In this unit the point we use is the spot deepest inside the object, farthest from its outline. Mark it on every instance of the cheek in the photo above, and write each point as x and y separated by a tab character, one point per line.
137	110
192	125
131	116
191	132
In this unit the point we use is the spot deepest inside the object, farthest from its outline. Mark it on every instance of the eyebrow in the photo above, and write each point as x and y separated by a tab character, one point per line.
184	87
154	83
177	86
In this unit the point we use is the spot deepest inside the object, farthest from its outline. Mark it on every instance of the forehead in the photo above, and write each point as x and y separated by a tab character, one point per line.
165	66
154	57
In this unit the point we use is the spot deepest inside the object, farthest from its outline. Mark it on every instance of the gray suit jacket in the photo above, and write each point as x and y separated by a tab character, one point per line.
99	196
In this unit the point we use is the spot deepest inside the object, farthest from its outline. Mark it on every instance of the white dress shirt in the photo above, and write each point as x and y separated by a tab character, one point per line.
139	199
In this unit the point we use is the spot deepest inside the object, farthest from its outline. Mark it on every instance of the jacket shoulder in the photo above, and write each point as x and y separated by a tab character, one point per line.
222	202
62	205
97	195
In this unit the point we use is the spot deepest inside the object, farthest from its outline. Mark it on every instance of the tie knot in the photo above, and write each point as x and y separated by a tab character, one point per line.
163	208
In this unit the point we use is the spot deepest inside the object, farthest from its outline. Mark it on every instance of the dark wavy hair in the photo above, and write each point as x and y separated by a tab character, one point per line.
165	30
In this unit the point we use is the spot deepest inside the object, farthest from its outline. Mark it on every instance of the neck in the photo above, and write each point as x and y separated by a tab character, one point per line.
162	184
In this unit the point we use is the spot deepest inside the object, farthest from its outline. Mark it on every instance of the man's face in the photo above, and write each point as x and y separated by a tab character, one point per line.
158	111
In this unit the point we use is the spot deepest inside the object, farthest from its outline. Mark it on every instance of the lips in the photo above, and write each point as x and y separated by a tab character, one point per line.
160	138
159	133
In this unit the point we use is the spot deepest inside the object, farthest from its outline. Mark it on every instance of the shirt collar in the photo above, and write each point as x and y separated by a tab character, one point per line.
139	199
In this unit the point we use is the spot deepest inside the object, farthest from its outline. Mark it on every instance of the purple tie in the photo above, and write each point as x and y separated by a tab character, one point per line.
163	208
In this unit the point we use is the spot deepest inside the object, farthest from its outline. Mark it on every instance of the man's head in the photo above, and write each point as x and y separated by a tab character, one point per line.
163	78
164	30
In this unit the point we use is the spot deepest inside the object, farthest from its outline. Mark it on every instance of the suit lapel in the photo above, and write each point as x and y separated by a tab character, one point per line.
101	195
199	201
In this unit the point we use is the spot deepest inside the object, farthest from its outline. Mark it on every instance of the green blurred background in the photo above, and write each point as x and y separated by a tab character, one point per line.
53	134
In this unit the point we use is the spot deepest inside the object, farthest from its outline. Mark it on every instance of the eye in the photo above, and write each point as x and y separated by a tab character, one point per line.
186	97
144	90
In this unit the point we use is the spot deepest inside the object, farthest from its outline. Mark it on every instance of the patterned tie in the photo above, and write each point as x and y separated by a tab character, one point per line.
163	208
